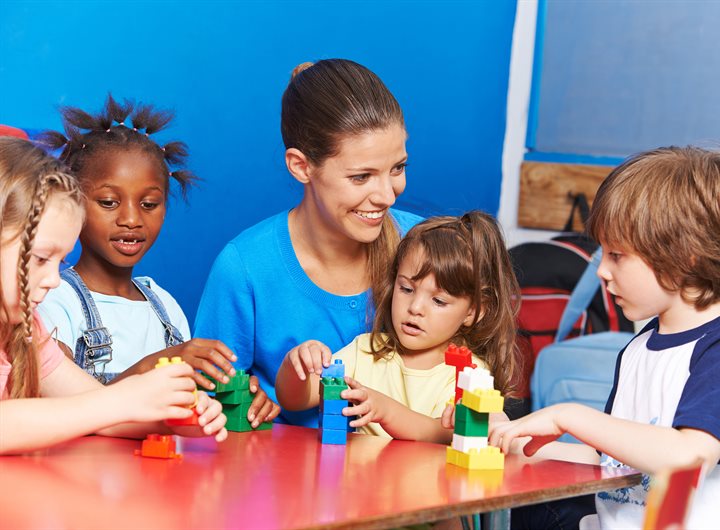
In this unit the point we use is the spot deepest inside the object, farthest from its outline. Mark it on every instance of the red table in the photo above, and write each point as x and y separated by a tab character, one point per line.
273	479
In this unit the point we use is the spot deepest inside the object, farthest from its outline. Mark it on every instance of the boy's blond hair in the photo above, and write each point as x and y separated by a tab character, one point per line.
664	205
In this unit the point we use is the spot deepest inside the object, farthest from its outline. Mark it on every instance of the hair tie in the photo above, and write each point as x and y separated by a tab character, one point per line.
135	129
121	124
108	129
83	147
147	135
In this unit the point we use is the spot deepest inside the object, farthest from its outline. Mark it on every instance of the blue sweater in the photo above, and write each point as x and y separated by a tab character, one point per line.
261	304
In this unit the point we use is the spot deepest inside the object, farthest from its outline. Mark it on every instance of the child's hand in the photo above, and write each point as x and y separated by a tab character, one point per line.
541	426
210	356
447	420
160	394
368	403
210	418
262	407
309	358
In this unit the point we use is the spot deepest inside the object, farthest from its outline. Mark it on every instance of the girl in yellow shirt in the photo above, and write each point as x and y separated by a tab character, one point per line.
451	282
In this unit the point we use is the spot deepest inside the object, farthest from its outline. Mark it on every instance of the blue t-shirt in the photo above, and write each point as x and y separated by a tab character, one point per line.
261	304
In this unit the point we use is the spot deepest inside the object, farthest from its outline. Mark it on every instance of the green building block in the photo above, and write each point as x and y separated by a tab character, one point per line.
234	397
330	387
470	423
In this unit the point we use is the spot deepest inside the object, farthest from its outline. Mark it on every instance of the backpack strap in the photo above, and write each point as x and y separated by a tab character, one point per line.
94	348
173	337
582	295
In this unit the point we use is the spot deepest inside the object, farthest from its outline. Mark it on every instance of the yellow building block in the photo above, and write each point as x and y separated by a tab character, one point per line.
483	400
486	458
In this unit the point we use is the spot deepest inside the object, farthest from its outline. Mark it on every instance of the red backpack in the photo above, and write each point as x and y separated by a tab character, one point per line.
547	273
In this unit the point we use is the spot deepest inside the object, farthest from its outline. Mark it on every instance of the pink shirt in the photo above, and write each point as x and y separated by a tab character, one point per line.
50	357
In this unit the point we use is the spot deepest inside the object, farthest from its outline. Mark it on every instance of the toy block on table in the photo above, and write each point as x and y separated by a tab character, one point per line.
332	425
478	398
236	399
460	358
193	418
486	458
158	446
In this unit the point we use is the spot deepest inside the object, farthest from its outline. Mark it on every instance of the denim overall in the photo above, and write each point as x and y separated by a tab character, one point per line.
94	348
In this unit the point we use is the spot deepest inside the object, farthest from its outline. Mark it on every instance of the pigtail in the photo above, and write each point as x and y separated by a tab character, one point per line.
122	125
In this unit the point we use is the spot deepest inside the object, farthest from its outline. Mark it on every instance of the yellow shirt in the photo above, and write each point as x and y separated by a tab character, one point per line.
424	391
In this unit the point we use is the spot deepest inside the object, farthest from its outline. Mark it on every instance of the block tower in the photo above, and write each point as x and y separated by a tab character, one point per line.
469	447
236	398
332	424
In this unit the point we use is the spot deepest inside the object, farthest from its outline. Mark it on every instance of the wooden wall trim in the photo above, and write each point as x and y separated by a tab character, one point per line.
546	191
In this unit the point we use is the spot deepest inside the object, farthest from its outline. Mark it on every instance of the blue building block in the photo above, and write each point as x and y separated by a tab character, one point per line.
332	406
334	422
330	436
336	369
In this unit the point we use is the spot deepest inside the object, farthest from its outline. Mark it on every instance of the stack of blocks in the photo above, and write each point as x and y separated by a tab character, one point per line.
333	425
469	447
236	398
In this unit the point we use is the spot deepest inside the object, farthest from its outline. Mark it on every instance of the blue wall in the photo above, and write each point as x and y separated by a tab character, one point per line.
223	67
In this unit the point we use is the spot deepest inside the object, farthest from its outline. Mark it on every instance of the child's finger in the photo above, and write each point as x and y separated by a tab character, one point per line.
221	435
316	354
218	360
254	384
297	365
211	370
203	382
306	358
447	420
261	414
326	355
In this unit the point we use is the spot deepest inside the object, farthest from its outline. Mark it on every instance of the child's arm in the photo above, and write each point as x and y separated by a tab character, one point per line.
297	382
568	452
398	420
76	405
211	356
648	448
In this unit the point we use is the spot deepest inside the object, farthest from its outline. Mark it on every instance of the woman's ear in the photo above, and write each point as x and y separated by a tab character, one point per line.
298	165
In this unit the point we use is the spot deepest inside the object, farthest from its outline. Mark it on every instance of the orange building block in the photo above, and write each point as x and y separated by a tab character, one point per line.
158	446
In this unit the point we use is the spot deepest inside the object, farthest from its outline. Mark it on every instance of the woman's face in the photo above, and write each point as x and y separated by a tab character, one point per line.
352	191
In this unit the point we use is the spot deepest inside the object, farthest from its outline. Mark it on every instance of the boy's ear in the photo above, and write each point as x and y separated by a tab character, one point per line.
298	165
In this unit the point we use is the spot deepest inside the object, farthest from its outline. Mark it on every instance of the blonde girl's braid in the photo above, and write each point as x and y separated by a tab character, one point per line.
25	360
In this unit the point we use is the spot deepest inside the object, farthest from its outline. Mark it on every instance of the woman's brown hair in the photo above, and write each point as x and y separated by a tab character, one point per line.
328	101
468	258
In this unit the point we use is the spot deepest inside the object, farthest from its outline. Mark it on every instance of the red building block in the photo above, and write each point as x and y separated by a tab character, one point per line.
459	358
158	446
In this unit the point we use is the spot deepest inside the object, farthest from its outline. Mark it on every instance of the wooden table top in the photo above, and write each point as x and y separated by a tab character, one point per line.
283	478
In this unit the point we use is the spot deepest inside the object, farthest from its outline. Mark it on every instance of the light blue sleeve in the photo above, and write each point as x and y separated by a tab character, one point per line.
226	310
174	311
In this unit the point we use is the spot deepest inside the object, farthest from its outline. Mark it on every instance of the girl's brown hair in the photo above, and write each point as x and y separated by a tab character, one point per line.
328	101
468	258
664	206
29	178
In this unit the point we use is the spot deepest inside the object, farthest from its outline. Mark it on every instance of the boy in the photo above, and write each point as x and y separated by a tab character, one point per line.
657	217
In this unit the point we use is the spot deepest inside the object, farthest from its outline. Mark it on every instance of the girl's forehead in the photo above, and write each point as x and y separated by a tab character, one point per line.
124	166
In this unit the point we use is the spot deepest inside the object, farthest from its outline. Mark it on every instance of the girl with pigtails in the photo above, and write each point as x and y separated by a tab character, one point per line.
41	213
113	324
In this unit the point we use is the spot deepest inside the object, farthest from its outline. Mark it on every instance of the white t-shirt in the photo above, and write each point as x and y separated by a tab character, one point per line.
668	380
135	328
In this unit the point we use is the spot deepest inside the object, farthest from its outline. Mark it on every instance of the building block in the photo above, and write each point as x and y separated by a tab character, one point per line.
336	370
332	436
330	388
459	358
332	406
483	400
333	421
193	418
158	446
234	397
472	379
469	422
237	419
465	443
487	458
